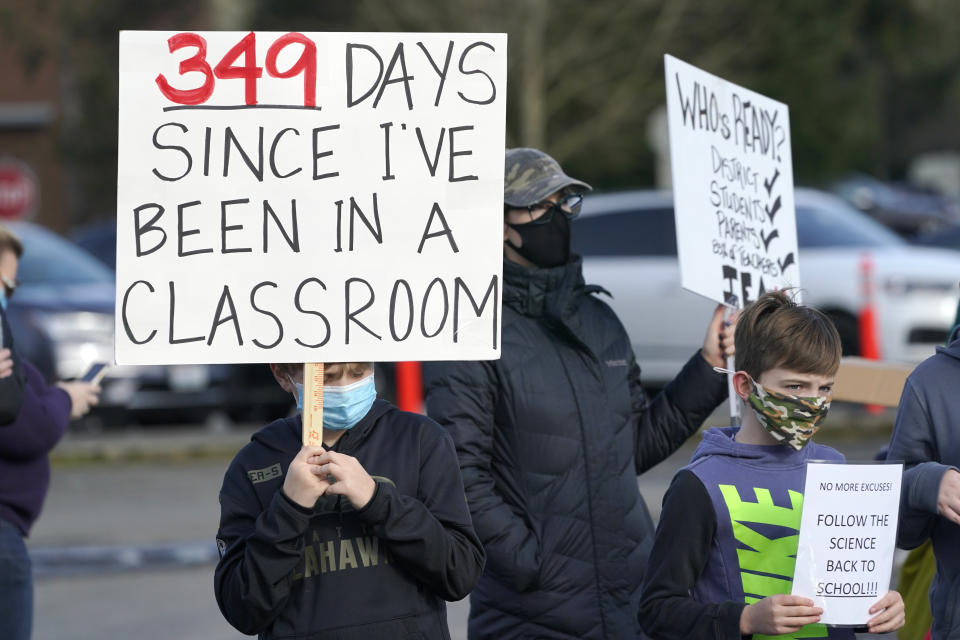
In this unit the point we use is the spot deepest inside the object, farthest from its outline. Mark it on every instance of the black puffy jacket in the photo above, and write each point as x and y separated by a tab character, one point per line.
551	438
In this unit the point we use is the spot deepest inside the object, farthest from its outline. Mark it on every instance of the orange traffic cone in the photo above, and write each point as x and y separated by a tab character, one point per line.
409	387
867	320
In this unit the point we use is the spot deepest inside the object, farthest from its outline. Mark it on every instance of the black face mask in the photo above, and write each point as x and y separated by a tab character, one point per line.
545	245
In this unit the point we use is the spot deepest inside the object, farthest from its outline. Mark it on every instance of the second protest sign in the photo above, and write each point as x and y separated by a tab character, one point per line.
732	187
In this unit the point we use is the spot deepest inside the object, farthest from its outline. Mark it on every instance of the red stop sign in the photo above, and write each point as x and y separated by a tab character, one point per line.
18	190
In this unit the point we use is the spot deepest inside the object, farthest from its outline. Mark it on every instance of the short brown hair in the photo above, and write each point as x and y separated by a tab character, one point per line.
10	242
294	368
775	332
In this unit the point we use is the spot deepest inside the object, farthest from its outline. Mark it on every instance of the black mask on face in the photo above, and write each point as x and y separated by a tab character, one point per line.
545	245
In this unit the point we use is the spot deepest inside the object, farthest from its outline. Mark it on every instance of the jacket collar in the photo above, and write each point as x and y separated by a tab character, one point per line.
359	432
292	437
537	292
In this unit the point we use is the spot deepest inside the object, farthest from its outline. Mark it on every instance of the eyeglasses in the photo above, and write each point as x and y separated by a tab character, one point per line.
10	285
569	205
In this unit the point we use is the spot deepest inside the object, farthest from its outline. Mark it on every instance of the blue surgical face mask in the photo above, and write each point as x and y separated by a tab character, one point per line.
299	387
344	407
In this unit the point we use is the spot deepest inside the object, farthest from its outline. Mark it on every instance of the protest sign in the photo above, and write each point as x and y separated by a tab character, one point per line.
732	187
309	197
848	532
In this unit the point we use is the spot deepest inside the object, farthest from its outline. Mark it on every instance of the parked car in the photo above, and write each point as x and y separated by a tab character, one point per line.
62	317
100	240
946	238
906	209
628	241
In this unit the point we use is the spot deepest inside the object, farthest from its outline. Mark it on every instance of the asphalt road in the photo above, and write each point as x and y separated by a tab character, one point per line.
113	511
119	508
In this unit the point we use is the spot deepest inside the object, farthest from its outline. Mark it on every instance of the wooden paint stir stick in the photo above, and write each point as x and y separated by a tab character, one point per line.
313	403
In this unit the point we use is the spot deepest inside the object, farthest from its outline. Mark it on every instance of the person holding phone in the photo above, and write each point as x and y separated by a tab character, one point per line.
25	441
95	373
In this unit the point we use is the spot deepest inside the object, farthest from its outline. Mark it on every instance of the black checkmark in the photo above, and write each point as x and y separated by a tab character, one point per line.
769	238
769	183
776	207
786	262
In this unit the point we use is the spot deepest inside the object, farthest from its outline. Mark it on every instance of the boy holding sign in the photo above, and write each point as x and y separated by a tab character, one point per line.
363	537
722	563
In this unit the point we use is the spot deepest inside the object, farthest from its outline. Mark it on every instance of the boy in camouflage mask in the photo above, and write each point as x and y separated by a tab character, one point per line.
789	419
786	370
722	563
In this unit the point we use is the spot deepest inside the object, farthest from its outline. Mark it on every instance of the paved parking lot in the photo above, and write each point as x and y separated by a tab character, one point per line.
160	514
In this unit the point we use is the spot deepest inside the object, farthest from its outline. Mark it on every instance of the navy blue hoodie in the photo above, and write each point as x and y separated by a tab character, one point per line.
727	538
926	437
24	447
382	571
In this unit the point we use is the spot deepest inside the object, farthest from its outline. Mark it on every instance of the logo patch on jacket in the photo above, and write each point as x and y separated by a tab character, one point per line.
266	474
616	363
340	554
767	561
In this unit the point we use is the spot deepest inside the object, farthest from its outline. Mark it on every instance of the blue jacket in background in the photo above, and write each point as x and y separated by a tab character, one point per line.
24	444
926	437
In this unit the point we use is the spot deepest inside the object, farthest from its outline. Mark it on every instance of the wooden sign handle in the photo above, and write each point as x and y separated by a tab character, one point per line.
734	399
313	403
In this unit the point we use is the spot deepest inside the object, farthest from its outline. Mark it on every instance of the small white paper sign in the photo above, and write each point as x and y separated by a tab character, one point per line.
848	533
309	197
732	187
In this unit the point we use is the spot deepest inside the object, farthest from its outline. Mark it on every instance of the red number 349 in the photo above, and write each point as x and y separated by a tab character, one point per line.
249	72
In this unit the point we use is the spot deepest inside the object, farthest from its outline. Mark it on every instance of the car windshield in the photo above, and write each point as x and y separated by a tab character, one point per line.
837	226
51	259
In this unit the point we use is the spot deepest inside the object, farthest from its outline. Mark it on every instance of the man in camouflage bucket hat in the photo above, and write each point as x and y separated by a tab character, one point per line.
530	176
551	437
534	189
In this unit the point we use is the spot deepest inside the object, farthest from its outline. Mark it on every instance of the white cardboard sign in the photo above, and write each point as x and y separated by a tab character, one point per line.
309	197
848	534
732	187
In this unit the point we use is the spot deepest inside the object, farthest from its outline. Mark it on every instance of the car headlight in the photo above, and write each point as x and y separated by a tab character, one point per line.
79	339
907	286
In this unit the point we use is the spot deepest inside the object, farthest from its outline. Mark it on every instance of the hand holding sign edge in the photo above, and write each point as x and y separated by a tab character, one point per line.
778	614
718	345
891	614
